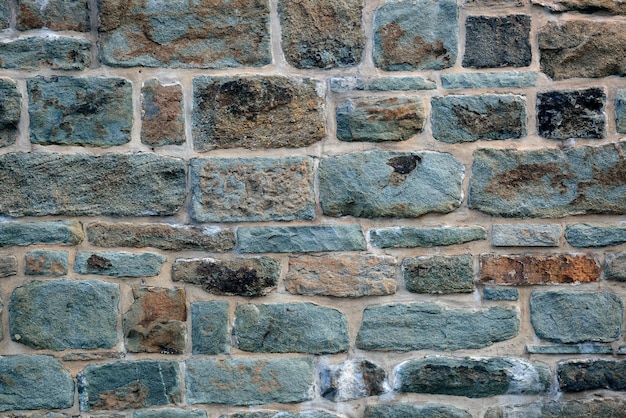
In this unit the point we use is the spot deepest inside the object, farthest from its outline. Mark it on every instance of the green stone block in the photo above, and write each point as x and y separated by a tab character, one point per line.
57	15
595	235
37	53
118	264
605	407
296	239
409	410
11	108
439	274
409	237
344	84
505	79
209	327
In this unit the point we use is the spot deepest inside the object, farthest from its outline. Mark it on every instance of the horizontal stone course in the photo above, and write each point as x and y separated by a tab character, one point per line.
170	413
495	293
583	6
118	264
296	239
505	79
53	52
282	414
400	410
586	348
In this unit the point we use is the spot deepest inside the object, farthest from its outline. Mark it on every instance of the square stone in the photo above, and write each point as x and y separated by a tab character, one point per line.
501	41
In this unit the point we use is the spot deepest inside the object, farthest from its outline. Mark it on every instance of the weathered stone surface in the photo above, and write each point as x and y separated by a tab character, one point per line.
290	328
61	314
584	6
38	184
36	53
586	348
300	239
595	235
564	114
494	3
5	19
525	235
53	14
28	233
495	293
605	407
500	41
428	326
10	111
407	237
377	119
344	84
589	374
256	112
282	414
406	410
197	34
93	356
48	415
170	413
352	379
457	119
322	33
162	118
615	266
8	266
390	184
34	382
472	377
620	111
249	381
46	263
209	327
342	276
574	317
439	274
252	189
242	276
536	269
549	182
118	264
582	48
417	35
507	79
129	385
155	322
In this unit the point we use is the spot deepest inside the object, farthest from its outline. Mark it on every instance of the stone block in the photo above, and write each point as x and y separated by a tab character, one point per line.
583	6
8	266
495	293
494	3
300	239
35	53
615	266
345	84
46	263
408	237
405	410
118	264
586	348
10	111
620	111
564	114
281	414
504	79
605	407
162	117
53	14
595	235
498	41
352	379
5	19
525	235
209	327
590	374
29	233
439	274
170	413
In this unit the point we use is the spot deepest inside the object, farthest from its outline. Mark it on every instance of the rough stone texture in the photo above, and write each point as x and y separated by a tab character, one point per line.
494	3
507	79
300	239
118	264
605	407
582	48
407	237
129	385
538	269
256	112
92	356
10	110
525	235
209	327
161	236
352	379
242	276
620	111
574	317
61	314
53	14
457	119
472	377
195	34
378	119
549	182
155	322
170	413
500	41
417	35
564	114
162	118
34	382
28	233
428	326
252	189
390	184
344	84
5	19
439	274
281	414
585	6
595	235
321	33
406	410
615	266
249	381
39	184
494	293
36	53
590	374
8	266
342	276
586	348
290	328
46	263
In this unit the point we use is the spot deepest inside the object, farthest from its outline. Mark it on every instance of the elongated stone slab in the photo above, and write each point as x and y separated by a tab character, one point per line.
405	410
29	233
11	111
344	84
583	6
605	407
525	235
36	53
408	237
300	239
506	79
595	235
590	374
118	264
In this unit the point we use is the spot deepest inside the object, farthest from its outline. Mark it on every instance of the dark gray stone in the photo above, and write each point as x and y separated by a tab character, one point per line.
8	266
615	266
439	274
296	239
29	233
53	14
586	348
290	328
209	327
344	84
408	237
46	263
605	407
525	235
170	413
162	117
583	6
506	79
410	410
595	235
10	108
35	53
590	374
620	111
499	41
352	379
118	264
564	114
5	19
496	293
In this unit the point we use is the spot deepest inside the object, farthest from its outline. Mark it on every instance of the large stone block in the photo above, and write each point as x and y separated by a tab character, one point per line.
118	264
29	233
439	274
10	112
500	41
55	52
46	263
406	410
590	374
162	117
300	239
605	407
209	327
408	237
352	379
595	235
54	15
565	114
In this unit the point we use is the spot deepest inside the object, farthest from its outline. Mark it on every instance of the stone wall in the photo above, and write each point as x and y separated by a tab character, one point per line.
312	208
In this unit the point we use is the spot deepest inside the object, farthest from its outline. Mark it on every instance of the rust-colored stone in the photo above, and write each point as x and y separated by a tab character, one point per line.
163	122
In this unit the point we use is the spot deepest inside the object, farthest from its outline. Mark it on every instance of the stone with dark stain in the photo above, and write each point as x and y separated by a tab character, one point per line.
10	112
37	52
8	266
565	114
549	182
118	264
500	41
352	379
242	276
439	274
162	119
70	15
590	374
46	263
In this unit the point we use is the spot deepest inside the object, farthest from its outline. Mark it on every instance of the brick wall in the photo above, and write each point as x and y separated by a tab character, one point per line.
312	208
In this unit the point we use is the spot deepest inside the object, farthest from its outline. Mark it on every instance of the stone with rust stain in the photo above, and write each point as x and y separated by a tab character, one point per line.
590	374
538	269
37	52
615	7
46	263
604	407
53	14
256	112
344	276
162	119
564	114
439	274
155	322
242	276
8	265
352	379
10	112
416	35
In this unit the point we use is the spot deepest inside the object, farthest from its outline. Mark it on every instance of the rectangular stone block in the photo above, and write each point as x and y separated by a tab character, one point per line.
505	79
494	293
29	233
5	19
46	263
249	381
170	413
590	374
252	189
118	264
620	111
162	117
256	112
497	41
583	6
525	235
565	114
615	266
8	267
36	53
209	327
345	84
586	348
408	237
71	15
401	409
439	274
605	407
184	34
39	184
534	269
595	235
352	379
11	111
549	182
300	239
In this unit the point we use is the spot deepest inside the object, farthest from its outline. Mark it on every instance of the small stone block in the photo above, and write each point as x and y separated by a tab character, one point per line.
506	79
406	410
162	119
605	407
170	413
583	6
525	235
565	114
408	237
209	327
586	348
8	266
71	15
281	414
615	266
351	380
29	233
590	374
439	274
595	235
298	239
10	111
346	84
118	264
37	53
620	111
495	293
500	41
46	263
5	19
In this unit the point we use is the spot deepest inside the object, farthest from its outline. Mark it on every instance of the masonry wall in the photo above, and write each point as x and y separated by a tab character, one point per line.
312	208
